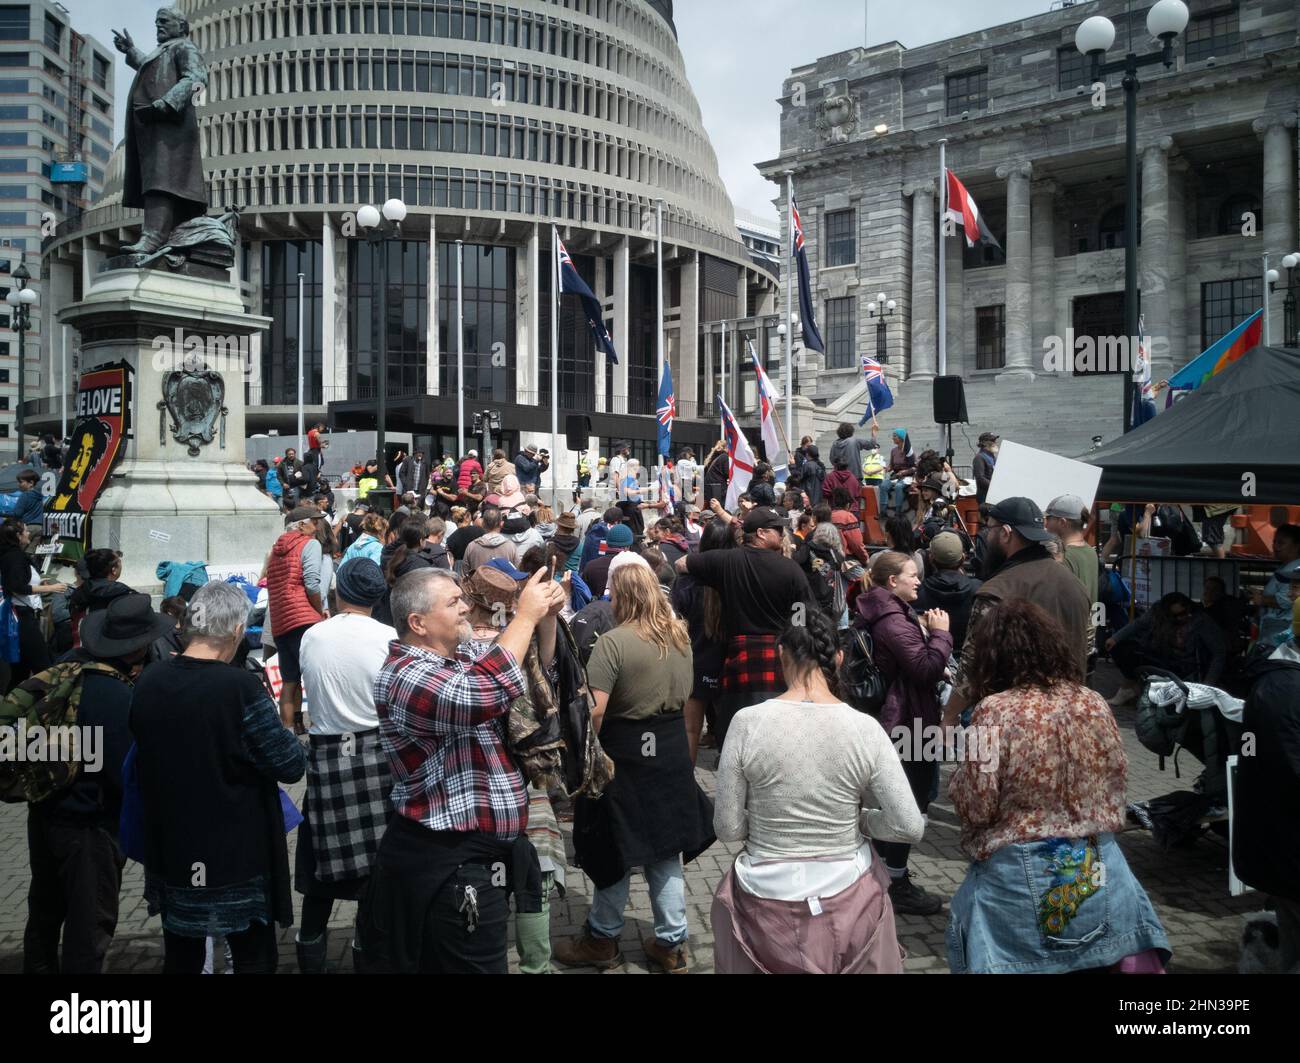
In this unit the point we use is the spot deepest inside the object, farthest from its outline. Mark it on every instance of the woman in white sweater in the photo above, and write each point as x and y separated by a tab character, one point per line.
806	782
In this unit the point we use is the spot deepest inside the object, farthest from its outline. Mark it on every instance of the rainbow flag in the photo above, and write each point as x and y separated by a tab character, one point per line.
1216	358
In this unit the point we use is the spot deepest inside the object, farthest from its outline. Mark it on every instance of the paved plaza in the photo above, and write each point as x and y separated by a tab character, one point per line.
1188	887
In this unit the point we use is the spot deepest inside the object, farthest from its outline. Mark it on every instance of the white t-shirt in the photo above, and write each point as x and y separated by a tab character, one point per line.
340	659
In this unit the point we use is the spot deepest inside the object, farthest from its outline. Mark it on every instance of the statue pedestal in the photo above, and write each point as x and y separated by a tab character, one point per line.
191	499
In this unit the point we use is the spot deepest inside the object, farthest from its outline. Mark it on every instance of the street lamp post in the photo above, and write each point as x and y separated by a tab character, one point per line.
380	224
882	308
1166	20
20	299
1290	327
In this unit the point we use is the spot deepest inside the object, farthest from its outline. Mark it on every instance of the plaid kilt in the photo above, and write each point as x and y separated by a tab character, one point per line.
752	663
347	806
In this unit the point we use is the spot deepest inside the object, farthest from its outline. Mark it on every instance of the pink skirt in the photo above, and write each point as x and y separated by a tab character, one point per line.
853	934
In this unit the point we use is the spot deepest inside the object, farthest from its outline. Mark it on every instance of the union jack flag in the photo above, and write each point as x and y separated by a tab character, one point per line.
871	369
798	228
879	397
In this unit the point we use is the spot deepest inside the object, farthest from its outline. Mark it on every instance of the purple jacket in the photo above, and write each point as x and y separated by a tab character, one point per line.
911	664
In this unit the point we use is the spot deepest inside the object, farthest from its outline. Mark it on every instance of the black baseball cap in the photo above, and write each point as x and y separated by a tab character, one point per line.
988	437
1022	514
761	517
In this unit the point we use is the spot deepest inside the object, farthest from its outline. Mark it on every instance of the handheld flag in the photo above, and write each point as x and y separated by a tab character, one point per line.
1144	407
571	282
812	339
665	411
1217	357
963	211
740	458
879	397
768	424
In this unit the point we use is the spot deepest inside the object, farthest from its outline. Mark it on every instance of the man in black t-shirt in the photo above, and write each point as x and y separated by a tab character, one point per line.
763	592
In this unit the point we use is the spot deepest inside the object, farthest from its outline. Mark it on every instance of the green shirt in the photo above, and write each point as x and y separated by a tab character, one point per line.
1081	559
639	682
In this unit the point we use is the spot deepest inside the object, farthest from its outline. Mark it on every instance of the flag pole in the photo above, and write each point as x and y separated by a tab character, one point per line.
555	366
789	297
942	279
725	393
659	320
460	351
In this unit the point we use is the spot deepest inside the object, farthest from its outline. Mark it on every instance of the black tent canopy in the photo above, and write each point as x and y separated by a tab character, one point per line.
1237	430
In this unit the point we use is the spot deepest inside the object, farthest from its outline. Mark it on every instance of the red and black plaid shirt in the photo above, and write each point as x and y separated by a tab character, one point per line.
442	724
752	664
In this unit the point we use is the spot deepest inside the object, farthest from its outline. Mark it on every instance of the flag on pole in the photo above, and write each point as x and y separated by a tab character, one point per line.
1216	358
571	282
963	211
740	463
666	410
812	339
1144	406
768	427
879	397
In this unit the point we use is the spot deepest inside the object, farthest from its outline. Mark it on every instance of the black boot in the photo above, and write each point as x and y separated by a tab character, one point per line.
312	955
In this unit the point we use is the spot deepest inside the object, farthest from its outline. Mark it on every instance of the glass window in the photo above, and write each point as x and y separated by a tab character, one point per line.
15	22
841	337
1226	304
1072	69
1101	319
282	261
990	337
841	238
1212	34
967	91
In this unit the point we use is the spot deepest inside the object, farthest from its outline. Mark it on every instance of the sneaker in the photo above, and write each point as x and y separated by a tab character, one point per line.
587	950
909	899
671	959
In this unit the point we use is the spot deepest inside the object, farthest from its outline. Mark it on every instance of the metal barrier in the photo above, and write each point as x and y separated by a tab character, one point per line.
1188	574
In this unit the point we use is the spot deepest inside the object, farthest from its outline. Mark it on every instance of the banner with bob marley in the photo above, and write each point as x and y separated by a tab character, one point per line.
103	423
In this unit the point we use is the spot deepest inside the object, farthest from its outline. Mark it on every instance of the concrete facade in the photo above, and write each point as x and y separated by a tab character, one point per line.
1042	153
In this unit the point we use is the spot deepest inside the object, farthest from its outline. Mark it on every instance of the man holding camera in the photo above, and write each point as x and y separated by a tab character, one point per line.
530	463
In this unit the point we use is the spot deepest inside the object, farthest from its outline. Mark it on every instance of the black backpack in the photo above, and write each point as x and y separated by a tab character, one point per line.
861	683
1182	534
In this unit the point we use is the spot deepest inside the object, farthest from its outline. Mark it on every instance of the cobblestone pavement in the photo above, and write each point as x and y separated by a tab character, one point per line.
1187	886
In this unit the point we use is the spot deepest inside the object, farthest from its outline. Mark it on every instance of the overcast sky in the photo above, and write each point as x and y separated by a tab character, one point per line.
738	52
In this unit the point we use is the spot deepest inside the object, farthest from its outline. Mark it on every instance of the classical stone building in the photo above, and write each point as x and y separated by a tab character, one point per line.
1042	153
491	123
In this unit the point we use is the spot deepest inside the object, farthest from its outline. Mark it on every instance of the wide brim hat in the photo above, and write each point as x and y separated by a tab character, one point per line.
129	623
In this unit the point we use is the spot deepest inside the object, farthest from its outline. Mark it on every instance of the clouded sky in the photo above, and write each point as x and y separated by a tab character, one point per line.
738	52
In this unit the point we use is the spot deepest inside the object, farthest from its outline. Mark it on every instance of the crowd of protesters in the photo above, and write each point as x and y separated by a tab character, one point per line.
458	674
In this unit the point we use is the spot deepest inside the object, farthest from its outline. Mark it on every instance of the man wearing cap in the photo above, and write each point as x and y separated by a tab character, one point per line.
294	595
763	592
529	469
72	836
1067	518
1019	566
982	465
947	587
595	573
348	777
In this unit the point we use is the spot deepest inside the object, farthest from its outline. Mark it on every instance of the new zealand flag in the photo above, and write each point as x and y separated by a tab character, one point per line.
571	282
812	339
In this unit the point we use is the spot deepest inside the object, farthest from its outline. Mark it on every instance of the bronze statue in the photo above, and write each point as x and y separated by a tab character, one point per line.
164	166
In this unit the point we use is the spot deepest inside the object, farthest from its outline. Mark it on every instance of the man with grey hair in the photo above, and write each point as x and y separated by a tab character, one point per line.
210	750
164	164
456	845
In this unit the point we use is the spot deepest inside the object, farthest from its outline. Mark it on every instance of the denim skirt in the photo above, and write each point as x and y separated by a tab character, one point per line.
1051	906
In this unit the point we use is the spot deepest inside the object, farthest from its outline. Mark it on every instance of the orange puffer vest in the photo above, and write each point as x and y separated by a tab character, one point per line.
289	605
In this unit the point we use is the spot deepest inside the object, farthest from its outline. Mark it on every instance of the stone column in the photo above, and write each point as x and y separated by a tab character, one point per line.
1153	252
923	310
336	273
688	333
1176	354
604	269
528	343
1042	258
622	284
433	356
1019	270
1278	134
328	302
58	293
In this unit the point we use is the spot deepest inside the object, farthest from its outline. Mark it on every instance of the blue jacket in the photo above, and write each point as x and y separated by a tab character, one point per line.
528	470
31	506
178	574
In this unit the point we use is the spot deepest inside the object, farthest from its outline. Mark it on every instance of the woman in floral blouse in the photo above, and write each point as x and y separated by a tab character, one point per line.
1040	788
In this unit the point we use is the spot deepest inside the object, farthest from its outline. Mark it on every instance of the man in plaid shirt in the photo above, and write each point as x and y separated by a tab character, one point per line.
456	845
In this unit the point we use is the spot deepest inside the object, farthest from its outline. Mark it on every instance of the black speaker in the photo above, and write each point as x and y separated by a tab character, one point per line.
577	431
950	400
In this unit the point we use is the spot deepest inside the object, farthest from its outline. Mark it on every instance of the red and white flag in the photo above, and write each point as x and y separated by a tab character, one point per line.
741	463
963	211
767	424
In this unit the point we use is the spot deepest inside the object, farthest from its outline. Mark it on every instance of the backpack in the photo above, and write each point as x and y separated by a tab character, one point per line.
47	701
1160	728
1183	537
861	683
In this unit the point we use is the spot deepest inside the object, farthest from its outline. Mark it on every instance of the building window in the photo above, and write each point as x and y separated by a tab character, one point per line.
1231	218
1101	319
968	91
1226	304
4	402
1212	34
1110	229
4	431
14	22
101	71
841	352
53	33
1071	69
282	260
488	297
990	337
406	319
841	238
